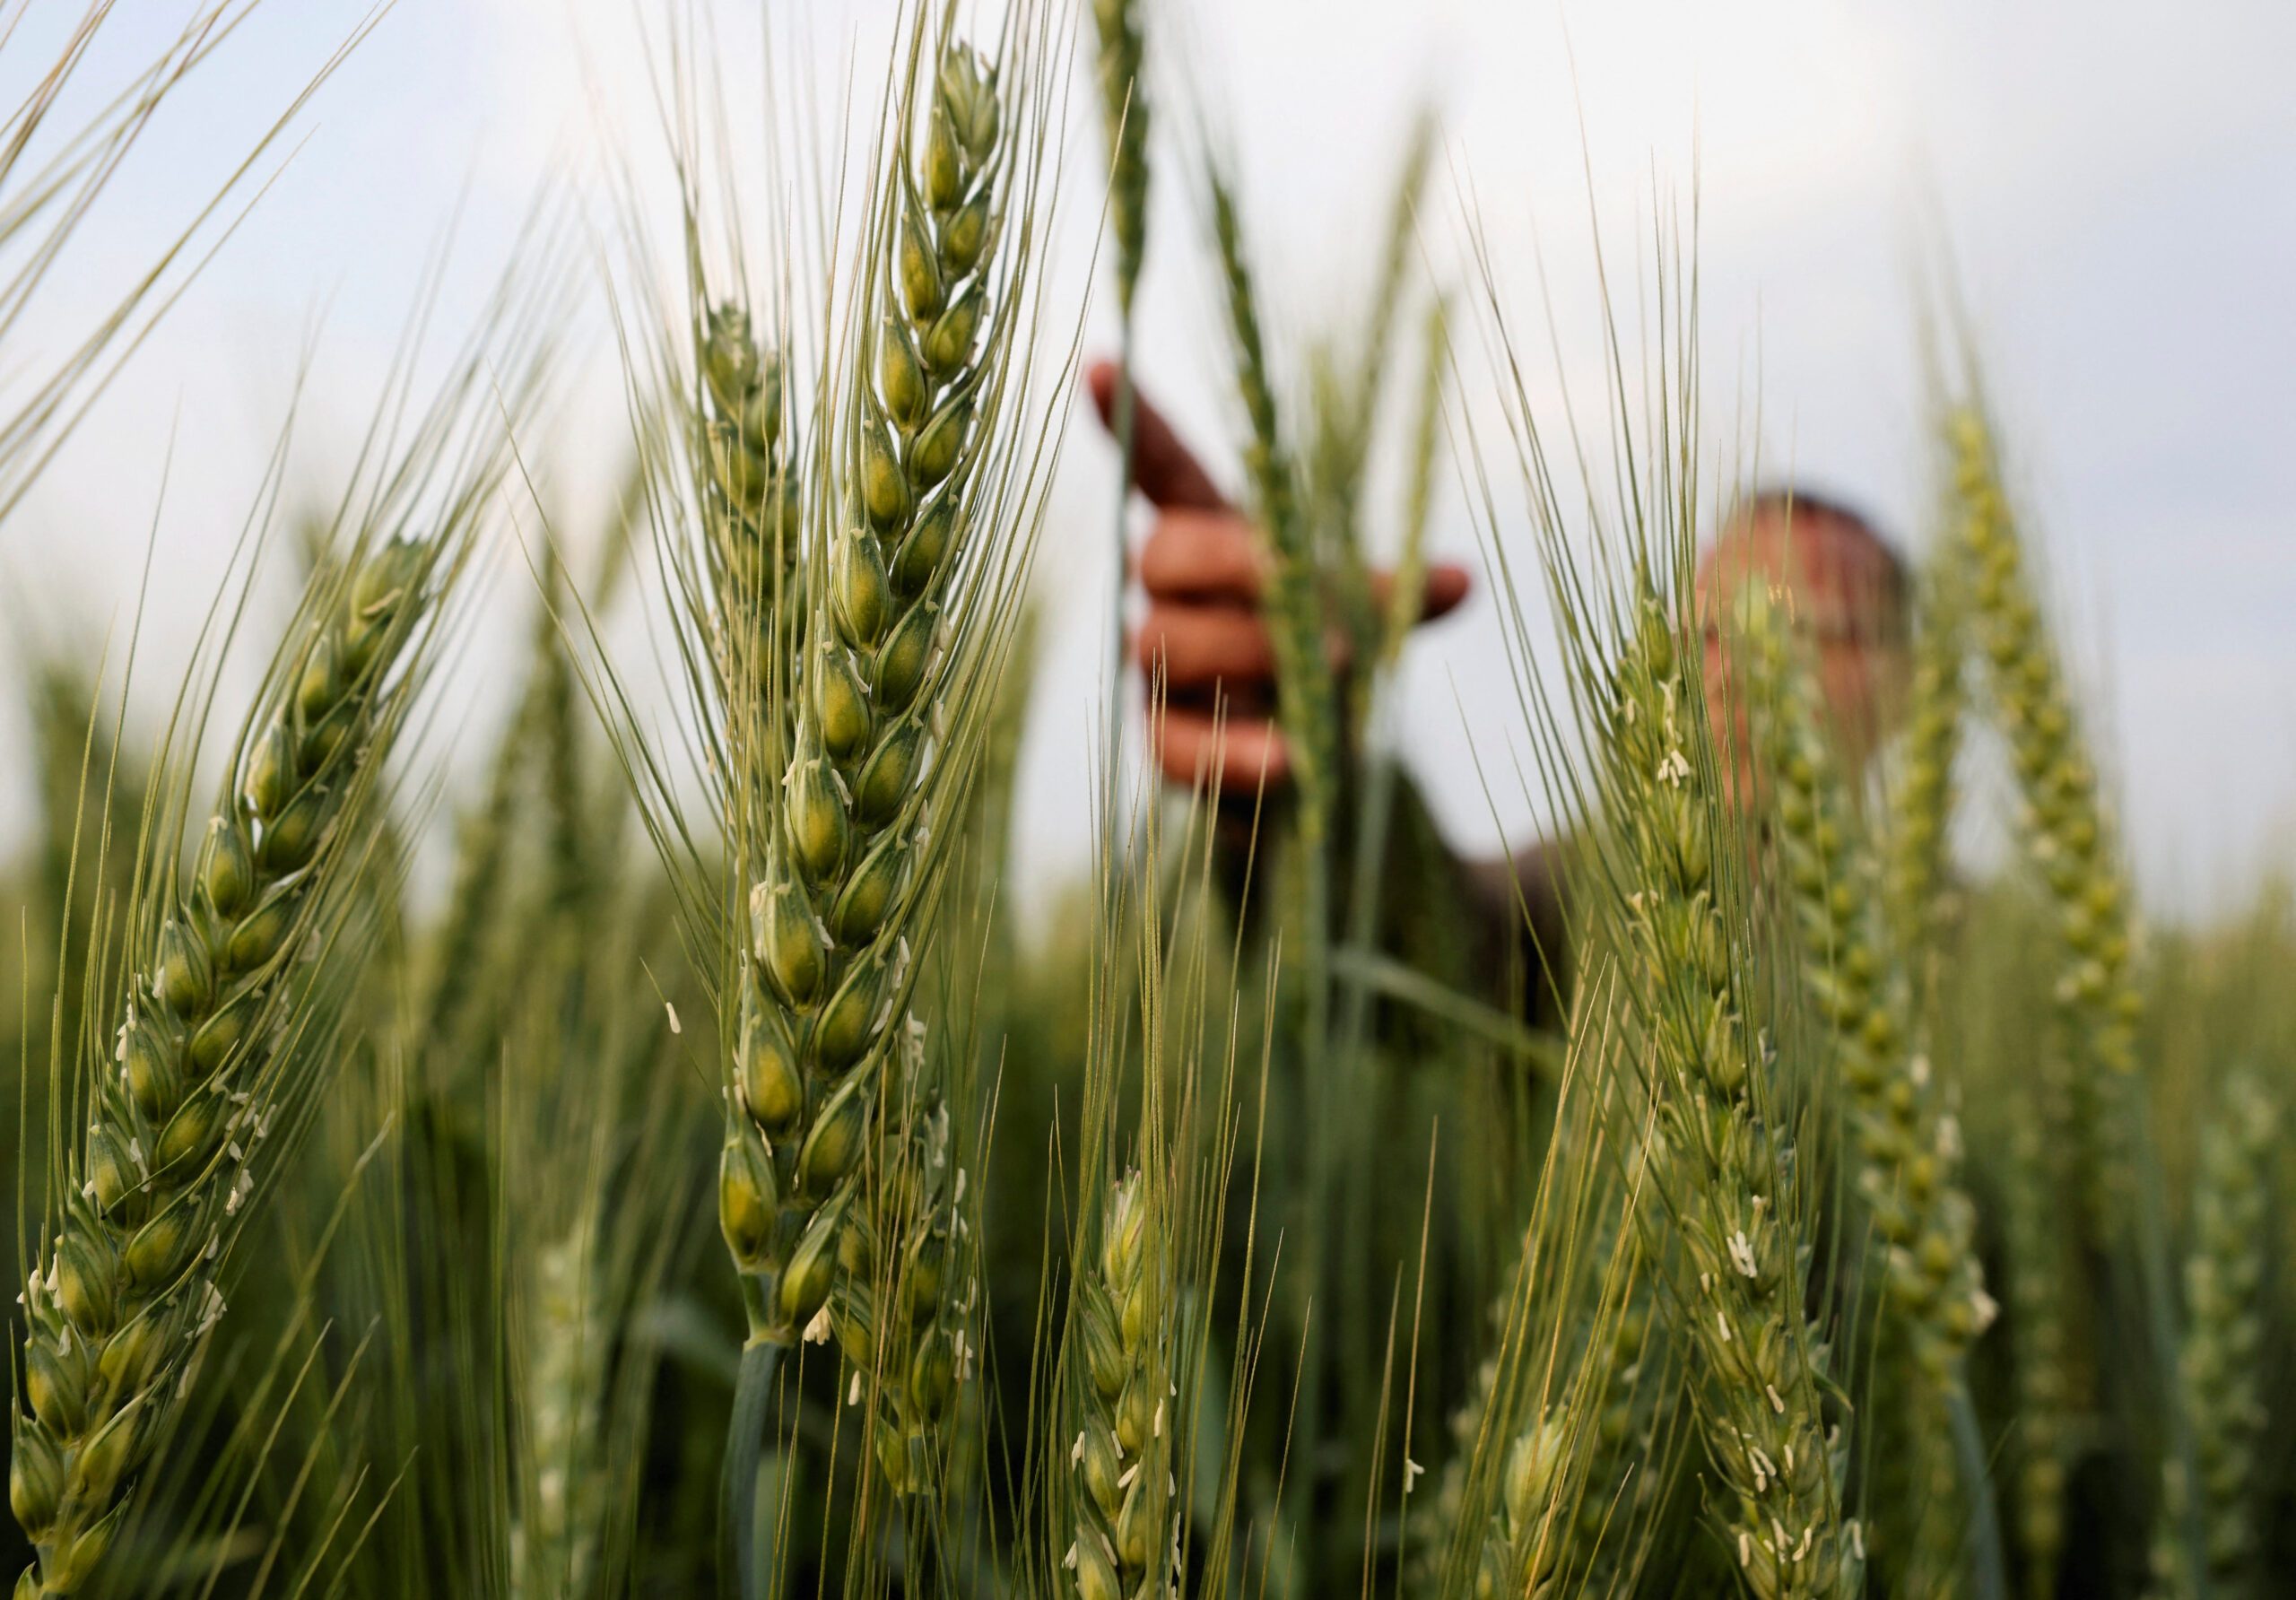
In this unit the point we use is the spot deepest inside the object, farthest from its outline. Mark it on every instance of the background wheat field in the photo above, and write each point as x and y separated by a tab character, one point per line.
614	985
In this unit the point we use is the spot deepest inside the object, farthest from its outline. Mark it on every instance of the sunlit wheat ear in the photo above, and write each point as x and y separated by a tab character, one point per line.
1124	107
2221	1368
848	825
1723	1160
1126	1539
2064	827
116	1317
1907	1146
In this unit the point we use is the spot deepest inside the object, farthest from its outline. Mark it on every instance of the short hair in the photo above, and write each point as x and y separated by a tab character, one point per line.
1893	583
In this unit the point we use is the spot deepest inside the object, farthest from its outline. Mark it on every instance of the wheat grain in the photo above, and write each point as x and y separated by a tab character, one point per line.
1523	1546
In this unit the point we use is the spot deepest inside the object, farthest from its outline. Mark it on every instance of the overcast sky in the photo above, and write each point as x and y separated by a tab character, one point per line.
2111	181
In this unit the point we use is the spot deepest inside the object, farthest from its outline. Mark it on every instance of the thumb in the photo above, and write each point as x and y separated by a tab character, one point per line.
1448	585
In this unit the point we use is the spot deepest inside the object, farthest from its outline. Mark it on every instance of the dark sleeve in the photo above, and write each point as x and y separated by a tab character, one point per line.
1528	943
1493	928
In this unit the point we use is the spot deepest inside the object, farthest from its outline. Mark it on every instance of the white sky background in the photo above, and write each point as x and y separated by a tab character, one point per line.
2114	185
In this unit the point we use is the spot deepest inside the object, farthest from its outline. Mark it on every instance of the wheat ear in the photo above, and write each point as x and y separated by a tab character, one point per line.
1723	1160
1295	619
1124	110
117	1319
752	510
2041	1355
818	1009
554	1543
1127	1538
1906	1145
2219	1368
1921	812
2064	824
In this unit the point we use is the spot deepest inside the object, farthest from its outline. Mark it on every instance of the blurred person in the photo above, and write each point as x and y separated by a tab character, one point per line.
1200	569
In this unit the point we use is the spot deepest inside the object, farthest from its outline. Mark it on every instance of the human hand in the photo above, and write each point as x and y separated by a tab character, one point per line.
1203	570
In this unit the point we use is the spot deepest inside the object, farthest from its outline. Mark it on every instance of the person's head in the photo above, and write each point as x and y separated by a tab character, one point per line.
1847	594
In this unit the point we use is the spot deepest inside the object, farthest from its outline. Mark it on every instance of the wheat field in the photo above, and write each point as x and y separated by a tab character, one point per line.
717	1187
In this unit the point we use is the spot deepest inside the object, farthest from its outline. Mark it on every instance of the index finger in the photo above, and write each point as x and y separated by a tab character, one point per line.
1164	469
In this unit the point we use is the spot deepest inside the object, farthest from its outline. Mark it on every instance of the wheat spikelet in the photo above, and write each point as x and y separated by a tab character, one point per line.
1908	1146
1524	1545
116	1321
1720	1157
2064	824
2219	1370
